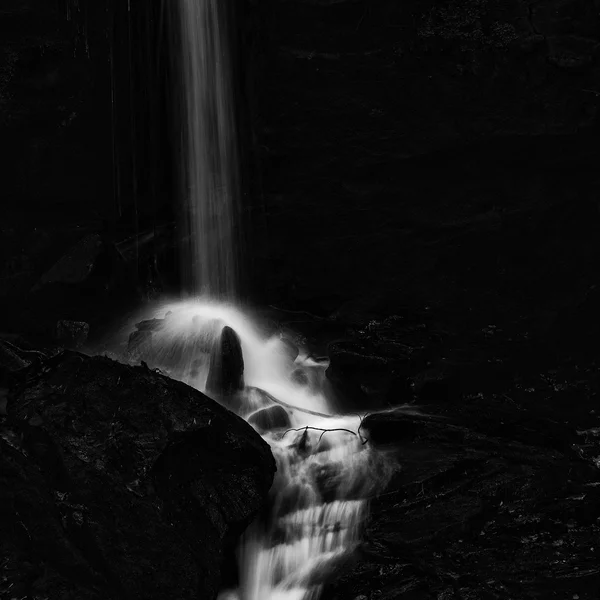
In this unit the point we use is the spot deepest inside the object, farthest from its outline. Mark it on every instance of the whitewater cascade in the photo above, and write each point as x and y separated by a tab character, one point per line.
326	470
210	183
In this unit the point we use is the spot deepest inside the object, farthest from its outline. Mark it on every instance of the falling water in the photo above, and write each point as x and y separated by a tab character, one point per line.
209	169
326	470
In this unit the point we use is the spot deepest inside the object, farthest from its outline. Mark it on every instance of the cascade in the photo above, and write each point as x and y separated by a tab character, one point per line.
325	469
209	164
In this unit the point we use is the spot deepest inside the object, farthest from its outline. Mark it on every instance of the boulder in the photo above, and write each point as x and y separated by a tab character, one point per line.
11	360
272	417
140	343
391	427
226	370
150	325
118	482
445	390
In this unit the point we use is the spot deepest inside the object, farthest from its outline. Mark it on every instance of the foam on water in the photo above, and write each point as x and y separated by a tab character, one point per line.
325	470
192	326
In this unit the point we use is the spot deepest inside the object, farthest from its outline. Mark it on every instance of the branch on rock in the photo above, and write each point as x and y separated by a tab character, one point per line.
305	429
292	407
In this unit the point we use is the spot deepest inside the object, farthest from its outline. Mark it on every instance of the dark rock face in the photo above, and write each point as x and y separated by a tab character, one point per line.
119	482
417	77
419	146
489	502
226	370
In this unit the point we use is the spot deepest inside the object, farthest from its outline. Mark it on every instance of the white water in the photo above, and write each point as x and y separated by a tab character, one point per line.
318	500
325	472
210	164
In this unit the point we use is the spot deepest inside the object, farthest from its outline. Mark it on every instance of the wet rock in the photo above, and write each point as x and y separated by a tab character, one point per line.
150	325
140	343
125	483
72	334
361	370
226	370
294	497
255	398
465	496
76	265
272	417
440	391
13	362
390	427
10	359
357	356
348	391
399	390
3	401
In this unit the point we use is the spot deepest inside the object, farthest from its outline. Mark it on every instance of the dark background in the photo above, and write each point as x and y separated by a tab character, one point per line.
421	204
439	154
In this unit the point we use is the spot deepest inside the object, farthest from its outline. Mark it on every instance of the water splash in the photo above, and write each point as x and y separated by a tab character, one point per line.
325	469
210	163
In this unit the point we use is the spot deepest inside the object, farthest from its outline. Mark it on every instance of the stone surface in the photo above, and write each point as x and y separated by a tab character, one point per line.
481	508
119	482
419	150
226	369
272	417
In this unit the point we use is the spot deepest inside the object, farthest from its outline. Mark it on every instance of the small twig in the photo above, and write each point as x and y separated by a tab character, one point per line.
362	439
318	429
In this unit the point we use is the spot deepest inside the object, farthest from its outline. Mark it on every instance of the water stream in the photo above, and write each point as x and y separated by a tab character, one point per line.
325	469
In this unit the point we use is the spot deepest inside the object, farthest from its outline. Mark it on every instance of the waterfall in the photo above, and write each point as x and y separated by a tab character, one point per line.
326	470
209	168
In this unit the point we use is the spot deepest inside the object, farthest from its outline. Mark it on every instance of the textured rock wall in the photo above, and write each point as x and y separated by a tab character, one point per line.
404	143
54	108
118	482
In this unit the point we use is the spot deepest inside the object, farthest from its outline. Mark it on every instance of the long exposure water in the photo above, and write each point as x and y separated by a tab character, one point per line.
326	470
209	210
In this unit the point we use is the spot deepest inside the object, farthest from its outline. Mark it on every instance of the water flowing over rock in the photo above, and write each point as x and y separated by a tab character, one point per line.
118	482
325	471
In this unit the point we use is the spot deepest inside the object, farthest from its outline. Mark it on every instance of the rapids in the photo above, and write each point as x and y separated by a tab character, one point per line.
326	469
